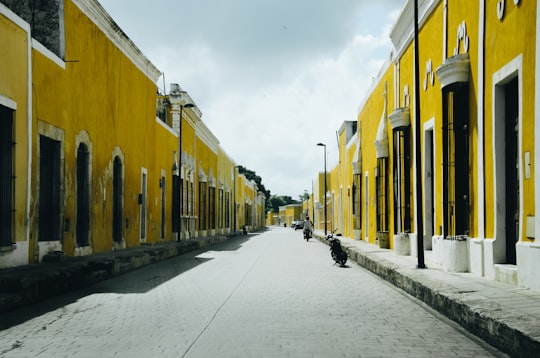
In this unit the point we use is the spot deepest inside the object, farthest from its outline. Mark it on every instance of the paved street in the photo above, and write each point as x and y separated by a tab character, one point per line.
262	295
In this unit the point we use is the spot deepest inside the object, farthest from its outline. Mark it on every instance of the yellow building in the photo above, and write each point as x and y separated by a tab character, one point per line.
478	108
92	160
289	213
15	127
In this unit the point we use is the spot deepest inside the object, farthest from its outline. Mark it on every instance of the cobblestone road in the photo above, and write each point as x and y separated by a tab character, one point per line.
265	295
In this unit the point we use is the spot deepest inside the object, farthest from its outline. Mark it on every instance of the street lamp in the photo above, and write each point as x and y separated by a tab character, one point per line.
180	188
324	145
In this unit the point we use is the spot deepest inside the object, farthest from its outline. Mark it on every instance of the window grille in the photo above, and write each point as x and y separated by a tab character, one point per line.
228	209
381	193
456	161
402	180
202	205
212	207
221	211
191	199
357	203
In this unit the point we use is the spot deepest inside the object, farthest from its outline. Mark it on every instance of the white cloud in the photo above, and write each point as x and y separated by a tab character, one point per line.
272	77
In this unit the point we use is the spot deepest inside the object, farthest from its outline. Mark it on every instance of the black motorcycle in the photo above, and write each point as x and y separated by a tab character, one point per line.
337	252
307	234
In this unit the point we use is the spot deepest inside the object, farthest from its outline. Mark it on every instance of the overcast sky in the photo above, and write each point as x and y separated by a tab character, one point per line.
272	77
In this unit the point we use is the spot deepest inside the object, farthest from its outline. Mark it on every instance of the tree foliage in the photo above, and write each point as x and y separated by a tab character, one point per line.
43	17
251	175
273	202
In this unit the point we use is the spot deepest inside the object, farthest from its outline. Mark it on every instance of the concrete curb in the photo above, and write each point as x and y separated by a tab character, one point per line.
478	318
21	286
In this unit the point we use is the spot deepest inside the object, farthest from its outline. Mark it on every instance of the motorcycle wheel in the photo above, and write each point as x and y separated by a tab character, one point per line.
343	259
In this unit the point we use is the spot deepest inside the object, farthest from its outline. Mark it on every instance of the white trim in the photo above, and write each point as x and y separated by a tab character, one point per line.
366	205
429	127
7	102
165	126
537	123
144	192
36	45
29	122
402	33
16	19
445	31
480	197
11	16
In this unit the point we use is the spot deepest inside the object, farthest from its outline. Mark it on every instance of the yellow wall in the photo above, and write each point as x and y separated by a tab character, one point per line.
509	39
14	92
370	115
104	94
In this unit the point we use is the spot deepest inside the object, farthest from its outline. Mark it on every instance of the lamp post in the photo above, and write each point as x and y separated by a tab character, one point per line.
324	145
181	187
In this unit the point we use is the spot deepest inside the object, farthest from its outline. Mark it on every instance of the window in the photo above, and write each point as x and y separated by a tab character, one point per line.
248	219
212	207
402	179
176	202
202	205
143	195
228	209
456	160
118	199
49	189
356	200
163	187
183	197
7	177
381	193
220	209
83	195
191	199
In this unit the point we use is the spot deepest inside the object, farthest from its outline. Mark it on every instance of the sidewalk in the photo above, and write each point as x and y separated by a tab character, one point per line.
507	317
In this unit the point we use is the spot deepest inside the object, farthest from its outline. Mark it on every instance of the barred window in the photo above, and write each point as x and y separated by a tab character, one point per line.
221	211
212	207
402	180
228	209
357	203
456	160
381	192
202	205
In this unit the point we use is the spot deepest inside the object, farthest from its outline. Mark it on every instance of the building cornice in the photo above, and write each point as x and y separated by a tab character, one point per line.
97	14
207	136
403	30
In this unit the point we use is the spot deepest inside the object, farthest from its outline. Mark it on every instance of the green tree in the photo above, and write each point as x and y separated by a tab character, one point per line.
251	175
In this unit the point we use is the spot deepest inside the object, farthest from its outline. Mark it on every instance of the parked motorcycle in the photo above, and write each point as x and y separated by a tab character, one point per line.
338	254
